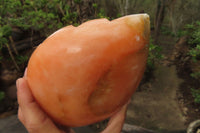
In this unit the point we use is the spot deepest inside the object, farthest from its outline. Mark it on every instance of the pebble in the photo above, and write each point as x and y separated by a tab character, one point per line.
185	109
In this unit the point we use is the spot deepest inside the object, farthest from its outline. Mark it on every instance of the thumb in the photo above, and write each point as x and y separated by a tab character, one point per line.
30	113
116	122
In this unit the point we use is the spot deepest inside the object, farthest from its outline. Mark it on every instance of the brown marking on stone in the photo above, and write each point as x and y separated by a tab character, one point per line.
98	98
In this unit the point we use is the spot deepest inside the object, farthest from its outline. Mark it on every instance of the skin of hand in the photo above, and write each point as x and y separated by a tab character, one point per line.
37	121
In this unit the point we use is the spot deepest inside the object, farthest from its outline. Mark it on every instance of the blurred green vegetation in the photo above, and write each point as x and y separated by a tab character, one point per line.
196	95
155	55
40	15
192	31
2	95
194	40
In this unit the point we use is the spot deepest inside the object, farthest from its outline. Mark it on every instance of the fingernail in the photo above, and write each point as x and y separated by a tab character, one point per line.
25	72
17	83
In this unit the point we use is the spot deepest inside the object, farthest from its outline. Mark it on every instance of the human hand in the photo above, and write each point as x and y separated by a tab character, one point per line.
37	121
30	113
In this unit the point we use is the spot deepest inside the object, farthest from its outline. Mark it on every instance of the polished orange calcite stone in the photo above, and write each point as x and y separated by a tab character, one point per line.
81	75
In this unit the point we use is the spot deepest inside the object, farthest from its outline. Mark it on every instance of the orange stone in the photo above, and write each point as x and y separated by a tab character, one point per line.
81	75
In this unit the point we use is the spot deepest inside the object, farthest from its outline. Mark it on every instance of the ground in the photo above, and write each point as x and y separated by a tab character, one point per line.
155	104
165	103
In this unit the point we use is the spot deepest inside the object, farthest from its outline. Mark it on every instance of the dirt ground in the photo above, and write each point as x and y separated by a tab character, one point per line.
165	104
156	105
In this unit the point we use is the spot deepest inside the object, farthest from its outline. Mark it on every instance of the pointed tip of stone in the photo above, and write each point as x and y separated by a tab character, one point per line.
145	21
140	20
146	26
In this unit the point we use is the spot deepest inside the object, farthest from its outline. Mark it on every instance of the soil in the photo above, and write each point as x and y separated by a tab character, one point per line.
180	59
155	105
165	103
184	69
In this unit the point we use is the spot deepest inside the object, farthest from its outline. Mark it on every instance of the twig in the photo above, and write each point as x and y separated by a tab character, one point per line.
12	57
61	10
13	45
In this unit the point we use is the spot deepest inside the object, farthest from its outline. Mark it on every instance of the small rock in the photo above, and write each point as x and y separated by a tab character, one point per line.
12	92
185	109
186	58
149	85
194	126
197	110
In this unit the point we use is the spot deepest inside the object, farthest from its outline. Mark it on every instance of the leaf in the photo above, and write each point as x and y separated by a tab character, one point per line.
196	95
3	41
5	31
21	59
94	5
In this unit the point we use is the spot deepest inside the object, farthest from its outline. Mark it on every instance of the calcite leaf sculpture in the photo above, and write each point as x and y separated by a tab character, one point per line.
81	75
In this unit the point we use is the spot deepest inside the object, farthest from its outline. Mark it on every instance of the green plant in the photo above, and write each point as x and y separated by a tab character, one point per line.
77	1
5	32
195	52
21	59
42	16
2	95
181	33
196	95
102	14
94	5
166	31
118	15
193	33
195	75
154	54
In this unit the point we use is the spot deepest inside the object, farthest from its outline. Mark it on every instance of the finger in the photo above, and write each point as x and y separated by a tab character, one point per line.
120	115
116	122
23	93
25	73
71	131
20	115
34	119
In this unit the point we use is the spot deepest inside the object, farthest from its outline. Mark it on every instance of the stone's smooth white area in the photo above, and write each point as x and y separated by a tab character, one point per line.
137	38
